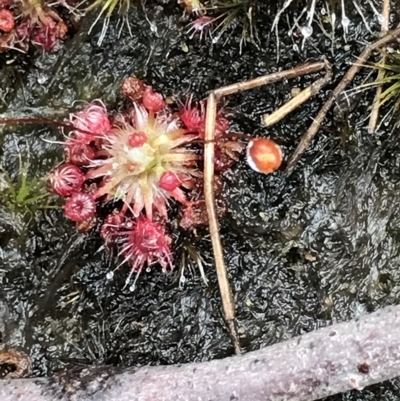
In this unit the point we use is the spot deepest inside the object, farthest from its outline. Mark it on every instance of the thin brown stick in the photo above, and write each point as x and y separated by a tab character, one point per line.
298	100
228	304
348	77
304	69
373	119
222	273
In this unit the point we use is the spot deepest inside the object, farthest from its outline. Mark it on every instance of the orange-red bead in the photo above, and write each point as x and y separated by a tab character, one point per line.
264	155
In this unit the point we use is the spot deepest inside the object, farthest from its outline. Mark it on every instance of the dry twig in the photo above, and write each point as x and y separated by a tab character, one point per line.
348	77
295	72
302	97
223	281
331	360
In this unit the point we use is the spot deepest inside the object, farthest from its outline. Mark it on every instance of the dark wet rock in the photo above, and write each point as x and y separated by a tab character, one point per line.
320	246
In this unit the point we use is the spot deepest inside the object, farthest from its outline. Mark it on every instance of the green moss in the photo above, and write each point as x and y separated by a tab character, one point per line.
107	7
25	194
230	11
389	79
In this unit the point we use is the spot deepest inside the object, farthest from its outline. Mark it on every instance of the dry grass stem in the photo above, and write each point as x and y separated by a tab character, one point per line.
222	273
298	100
373	119
211	113
304	69
348	77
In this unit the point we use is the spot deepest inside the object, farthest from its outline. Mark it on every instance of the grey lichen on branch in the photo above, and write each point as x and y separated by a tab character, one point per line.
342	357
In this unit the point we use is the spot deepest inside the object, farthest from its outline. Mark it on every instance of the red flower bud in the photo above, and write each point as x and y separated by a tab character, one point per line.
137	139
7	22
169	181
65	179
93	120
113	223
45	35
191	116
80	207
132	88
80	154
152	100
147	242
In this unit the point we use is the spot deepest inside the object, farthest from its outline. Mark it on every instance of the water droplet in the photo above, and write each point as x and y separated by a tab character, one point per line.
216	39
306	31
182	279
295	48
110	275
345	23
132	288
42	79
148	269
153	28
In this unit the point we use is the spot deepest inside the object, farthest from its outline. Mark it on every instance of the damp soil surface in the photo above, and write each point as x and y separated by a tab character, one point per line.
303	251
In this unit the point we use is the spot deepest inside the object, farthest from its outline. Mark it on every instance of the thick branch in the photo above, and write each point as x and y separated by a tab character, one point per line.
222	273
331	360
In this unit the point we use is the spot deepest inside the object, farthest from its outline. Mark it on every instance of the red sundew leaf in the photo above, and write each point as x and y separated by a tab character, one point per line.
7	22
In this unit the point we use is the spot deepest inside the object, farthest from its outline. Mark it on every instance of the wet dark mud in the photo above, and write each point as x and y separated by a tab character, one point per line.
305	251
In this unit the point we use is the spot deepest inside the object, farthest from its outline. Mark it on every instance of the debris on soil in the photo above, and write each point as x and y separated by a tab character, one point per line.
30	22
14	365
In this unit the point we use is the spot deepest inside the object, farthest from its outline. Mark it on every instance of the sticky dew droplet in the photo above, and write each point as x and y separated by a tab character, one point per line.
345	23
306	31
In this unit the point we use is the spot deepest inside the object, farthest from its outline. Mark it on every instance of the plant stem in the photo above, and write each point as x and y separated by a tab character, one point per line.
373	119
223	280
348	77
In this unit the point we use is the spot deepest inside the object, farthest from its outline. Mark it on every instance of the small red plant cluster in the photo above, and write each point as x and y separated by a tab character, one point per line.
133	164
26	22
202	24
